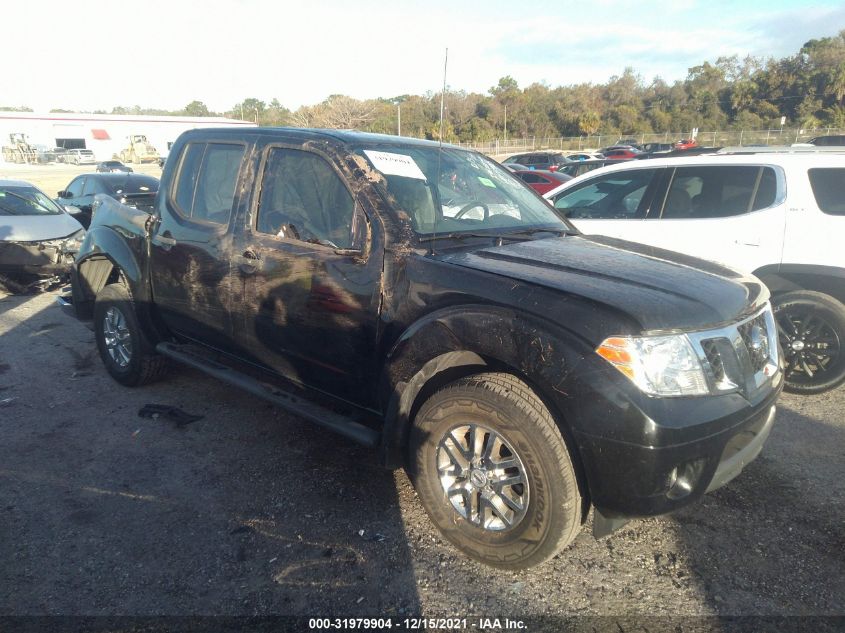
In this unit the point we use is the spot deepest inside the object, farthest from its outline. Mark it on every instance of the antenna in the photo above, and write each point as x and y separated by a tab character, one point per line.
443	96
439	154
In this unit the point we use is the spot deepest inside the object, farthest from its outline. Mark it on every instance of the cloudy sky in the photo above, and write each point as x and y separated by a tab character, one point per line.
95	54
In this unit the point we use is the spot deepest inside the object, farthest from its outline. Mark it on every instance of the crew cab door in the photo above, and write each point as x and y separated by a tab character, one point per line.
310	276
193	283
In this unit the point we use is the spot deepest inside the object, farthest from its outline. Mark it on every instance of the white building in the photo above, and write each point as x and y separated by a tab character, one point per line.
105	134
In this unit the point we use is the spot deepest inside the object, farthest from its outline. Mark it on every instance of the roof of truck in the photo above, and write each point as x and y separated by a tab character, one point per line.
347	137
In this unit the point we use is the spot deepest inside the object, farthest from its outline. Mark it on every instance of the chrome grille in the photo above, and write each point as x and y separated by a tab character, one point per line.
714	357
754	335
741	356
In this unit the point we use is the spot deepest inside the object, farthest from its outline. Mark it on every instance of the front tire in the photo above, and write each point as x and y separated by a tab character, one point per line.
811	327
494	472
126	352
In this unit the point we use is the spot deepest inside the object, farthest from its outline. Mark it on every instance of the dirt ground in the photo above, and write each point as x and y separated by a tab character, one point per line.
250	511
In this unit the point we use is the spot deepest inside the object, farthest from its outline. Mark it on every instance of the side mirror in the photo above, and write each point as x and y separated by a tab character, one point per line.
63	194
72	210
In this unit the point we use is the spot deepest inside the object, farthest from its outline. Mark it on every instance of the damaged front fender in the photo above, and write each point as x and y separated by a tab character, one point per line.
470	338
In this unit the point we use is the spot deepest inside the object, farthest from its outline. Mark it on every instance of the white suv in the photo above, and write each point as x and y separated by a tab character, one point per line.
779	215
80	157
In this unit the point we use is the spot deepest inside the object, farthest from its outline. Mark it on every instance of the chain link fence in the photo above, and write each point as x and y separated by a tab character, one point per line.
720	138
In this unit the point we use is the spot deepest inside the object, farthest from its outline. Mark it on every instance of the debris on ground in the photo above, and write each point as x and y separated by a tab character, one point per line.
174	414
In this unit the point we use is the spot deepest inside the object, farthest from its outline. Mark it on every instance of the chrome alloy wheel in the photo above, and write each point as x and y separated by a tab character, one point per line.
483	477
117	338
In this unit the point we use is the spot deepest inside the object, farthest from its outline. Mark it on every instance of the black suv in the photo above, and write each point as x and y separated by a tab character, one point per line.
831	140
134	189
421	300
549	161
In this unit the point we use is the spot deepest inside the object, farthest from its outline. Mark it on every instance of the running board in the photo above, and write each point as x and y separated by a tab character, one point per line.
298	406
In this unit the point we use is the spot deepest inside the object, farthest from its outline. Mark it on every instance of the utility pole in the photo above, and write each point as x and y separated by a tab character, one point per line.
506	122
398	119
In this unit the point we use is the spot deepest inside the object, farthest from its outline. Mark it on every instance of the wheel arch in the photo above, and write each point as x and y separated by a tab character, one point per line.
108	259
783	278
445	346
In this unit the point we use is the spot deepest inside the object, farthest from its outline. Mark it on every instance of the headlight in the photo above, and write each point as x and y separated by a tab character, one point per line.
659	365
74	242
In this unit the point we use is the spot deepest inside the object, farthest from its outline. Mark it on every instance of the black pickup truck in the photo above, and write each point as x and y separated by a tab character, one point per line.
419	299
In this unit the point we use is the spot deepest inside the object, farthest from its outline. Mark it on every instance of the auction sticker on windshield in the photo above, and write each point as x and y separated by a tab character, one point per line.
391	164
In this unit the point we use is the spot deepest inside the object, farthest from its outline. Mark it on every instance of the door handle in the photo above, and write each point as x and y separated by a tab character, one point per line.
250	264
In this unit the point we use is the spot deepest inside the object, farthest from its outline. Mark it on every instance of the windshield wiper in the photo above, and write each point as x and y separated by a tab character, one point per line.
458	235
558	232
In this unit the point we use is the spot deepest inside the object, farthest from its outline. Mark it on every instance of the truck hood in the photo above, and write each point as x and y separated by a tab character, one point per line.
37	228
660	289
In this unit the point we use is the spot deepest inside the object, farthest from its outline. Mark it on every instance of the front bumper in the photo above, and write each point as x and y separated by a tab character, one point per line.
644	456
742	449
29	264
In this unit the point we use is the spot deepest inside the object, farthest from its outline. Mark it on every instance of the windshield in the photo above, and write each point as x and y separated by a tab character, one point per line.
22	200
132	185
472	192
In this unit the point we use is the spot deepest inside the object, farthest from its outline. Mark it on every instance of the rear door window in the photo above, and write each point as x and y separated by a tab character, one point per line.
721	191
829	189
205	185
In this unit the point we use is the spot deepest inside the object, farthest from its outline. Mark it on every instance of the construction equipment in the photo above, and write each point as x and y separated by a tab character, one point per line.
139	150
19	150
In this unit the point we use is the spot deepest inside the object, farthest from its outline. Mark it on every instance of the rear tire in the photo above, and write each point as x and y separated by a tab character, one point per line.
127	353
494	473
811	327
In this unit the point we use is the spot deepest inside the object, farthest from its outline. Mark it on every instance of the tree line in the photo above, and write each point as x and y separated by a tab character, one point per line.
808	88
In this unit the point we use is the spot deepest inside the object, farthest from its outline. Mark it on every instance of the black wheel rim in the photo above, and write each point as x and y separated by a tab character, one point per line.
811	346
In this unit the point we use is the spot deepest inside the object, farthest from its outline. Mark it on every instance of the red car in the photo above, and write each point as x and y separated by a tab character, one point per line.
621	154
687	143
541	181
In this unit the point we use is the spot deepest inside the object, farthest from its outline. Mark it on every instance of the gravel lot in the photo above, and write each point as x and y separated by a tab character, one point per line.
250	511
